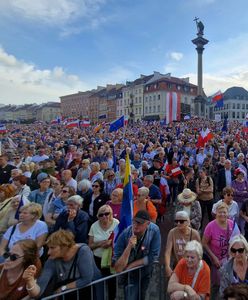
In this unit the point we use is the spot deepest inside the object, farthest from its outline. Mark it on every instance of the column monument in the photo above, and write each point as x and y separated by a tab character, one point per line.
200	42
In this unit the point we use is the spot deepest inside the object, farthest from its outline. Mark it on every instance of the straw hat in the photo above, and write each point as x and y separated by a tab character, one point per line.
187	196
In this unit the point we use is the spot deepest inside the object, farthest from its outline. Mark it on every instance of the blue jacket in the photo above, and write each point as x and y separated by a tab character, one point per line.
149	250
79	226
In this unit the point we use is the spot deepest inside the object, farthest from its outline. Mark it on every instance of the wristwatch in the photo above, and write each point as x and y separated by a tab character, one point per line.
63	288
185	295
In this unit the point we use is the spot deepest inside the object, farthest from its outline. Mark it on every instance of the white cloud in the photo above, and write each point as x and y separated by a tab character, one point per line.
22	82
62	14
177	56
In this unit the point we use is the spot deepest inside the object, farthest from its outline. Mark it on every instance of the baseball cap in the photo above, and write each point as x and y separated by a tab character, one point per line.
142	216
42	176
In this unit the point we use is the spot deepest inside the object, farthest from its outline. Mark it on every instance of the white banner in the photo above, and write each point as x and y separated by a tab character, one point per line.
217	117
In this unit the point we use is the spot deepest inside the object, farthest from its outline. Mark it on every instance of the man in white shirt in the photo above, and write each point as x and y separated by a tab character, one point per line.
68	180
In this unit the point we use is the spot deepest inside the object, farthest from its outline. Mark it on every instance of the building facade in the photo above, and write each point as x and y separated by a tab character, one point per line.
235	105
48	111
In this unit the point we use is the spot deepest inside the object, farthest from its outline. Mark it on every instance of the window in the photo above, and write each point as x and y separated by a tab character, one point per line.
243	114
154	98
150	109
140	91
158	96
154	108
234	106
146	110
238	106
158	108
136	110
125	102
136	99
140	99
237	114
233	114
243	106
140	110
246	106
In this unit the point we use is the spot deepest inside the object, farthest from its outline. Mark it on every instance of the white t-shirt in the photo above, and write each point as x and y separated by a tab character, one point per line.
100	234
39	228
233	209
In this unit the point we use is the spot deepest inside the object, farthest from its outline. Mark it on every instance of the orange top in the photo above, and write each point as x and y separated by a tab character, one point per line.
149	207
202	285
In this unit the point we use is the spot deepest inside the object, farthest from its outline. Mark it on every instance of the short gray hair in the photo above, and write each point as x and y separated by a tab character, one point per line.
84	184
145	191
194	246
149	177
238	239
76	199
183	214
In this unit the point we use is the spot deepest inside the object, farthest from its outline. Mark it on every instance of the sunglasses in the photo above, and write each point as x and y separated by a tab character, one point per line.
104	214
94	185
180	221
65	191
239	250
11	257
229	195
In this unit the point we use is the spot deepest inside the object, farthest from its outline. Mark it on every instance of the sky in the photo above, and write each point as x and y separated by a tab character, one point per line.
51	48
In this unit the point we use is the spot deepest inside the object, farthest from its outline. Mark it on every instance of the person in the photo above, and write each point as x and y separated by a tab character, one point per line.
11	216
5	169
225	176
110	182
191	277
233	209
116	202
57	206
235	270
95	200
137	245
43	193
84	171
236	292
21	255
74	219
100	236
144	203
215	241
240	195
154	191
95	172
177	239
205	193
20	182
187	202
244	215
64	255
7	192
29	227
69	180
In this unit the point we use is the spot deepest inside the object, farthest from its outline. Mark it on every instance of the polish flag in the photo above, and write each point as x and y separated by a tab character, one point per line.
85	124
204	137
125	120
173	107
72	124
245	125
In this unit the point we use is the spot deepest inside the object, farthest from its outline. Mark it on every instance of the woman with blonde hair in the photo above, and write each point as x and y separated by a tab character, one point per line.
116	202
236	269
76	261
29	226
215	241
7	192
100	233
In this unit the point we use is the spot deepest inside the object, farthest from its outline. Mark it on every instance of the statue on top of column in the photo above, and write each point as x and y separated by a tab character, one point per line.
200	26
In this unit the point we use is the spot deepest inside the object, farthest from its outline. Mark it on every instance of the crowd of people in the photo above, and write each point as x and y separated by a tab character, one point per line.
61	193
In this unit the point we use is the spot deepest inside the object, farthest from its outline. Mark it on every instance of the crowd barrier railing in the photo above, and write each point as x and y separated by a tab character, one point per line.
112	287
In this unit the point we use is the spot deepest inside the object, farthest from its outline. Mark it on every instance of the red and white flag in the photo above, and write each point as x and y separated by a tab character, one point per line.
85	123
72	124
204	137
173	107
3	128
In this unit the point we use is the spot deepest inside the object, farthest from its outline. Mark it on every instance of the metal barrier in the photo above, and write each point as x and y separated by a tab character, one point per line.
116	287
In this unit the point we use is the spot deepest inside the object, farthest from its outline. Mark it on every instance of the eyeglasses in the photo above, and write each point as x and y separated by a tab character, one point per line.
239	250
11	257
104	214
65	191
139	195
180	221
229	195
95	185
